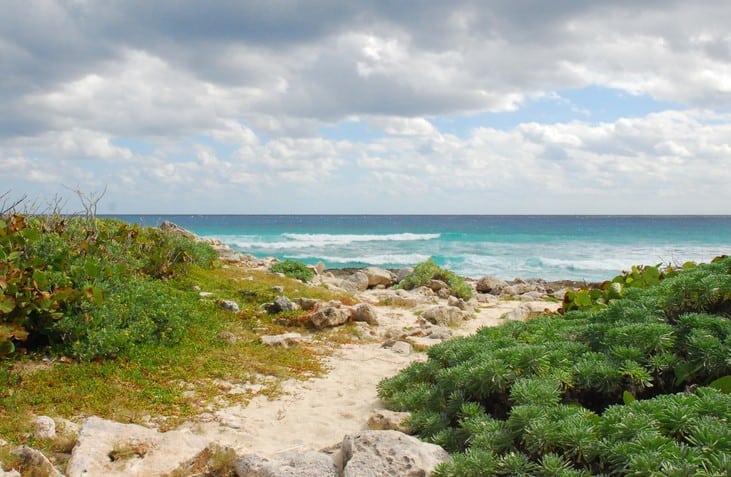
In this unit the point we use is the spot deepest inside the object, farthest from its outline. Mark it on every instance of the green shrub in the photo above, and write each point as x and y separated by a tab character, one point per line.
617	390
89	291
294	269
429	270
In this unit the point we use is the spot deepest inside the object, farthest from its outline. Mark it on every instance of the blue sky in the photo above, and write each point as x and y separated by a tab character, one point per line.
368	107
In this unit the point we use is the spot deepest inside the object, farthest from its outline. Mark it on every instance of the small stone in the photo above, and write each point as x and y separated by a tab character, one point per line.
230	305
285	340
278	289
205	294
227	337
401	347
196	288
44	427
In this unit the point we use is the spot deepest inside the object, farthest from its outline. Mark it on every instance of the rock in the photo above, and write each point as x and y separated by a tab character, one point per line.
113	449
284	304
436	285
379	276
230	305
33	462
3	442
289	464
204	294
444	315
286	340
377	453
385	420
278	289
307	303
491	285
319	268
9	473
401	347
44	428
438	333
357	282
365	312
168	226
531	296
521	313
329	316
227	337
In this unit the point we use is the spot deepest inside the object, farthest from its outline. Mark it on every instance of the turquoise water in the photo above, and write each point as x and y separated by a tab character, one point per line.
589	248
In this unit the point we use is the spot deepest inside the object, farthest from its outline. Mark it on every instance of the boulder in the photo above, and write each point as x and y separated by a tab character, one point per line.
229	305
357	282
376	453
288	464
379	276
403	273
524	311
444	315
9	473
286	340
329	316
44	428
365	312
385	420
319	268
113	449
33	462
491	285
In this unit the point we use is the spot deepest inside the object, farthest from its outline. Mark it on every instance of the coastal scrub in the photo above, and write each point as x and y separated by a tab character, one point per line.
631	388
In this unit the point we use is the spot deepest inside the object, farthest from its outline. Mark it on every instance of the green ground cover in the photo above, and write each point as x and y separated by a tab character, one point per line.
103	317
616	389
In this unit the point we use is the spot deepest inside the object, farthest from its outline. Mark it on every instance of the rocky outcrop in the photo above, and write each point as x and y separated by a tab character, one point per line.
444	315
376	453
289	464
113	449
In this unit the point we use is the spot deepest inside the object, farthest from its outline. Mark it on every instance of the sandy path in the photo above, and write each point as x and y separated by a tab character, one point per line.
317	413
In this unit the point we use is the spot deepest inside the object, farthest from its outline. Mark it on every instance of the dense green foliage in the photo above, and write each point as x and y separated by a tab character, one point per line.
294	269
617	390
640	276
429	270
90	288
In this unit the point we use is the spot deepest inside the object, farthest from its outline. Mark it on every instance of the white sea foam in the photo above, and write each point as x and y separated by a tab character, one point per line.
385	259
301	241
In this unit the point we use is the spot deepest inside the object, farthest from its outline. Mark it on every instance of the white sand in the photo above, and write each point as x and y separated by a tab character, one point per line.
317	413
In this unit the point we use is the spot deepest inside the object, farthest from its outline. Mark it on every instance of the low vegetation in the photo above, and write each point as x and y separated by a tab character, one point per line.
294	269
104	317
636	386
426	271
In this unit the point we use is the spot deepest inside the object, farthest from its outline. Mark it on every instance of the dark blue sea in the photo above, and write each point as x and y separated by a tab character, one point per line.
591	248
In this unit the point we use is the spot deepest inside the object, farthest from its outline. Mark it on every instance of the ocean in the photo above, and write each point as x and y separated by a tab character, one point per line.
591	248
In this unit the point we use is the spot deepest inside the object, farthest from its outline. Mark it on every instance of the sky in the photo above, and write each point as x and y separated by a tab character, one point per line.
368	107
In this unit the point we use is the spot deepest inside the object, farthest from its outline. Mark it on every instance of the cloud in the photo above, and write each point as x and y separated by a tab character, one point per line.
165	100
